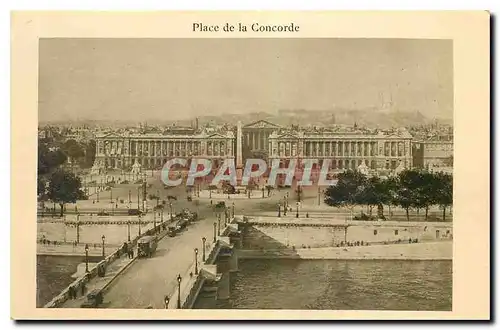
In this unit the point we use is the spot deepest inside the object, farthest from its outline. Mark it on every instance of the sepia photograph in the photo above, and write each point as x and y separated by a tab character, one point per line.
264	173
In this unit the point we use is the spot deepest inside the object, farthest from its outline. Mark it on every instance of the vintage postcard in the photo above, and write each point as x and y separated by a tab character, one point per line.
250	165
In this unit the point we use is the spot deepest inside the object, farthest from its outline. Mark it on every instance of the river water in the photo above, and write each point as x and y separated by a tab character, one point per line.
338	285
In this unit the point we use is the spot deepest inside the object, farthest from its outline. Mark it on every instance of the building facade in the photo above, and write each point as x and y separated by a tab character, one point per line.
347	150
433	154
256	136
151	151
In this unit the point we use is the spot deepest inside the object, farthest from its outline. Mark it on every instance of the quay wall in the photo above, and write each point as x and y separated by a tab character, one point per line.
275	236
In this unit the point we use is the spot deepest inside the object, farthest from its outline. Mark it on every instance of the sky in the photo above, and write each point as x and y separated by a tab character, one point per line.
175	79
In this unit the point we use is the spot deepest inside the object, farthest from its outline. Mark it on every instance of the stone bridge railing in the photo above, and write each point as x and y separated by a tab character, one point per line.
191	286
59	300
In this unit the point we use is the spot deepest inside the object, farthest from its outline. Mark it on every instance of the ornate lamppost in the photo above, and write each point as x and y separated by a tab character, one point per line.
78	229
285	206
179	279
103	240
154	221
218	223
297	215
215	232
233	209
128	230
203	239
86	258
166	300
279	210
139	224
196	261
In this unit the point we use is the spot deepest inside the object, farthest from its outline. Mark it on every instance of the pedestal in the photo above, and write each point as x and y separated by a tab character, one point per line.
233	262
223	287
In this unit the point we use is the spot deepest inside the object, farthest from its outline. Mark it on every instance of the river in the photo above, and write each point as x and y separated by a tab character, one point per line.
338	285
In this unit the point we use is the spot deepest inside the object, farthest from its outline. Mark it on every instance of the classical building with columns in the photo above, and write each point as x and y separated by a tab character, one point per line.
346	149
256	136
151	151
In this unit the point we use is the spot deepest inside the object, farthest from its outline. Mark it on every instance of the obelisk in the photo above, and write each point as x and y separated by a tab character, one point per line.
239	155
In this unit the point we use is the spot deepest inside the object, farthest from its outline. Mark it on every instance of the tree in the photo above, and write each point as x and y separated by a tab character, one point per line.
48	160
427	192
444	191
73	150
407	190
90	150
41	188
347	191
64	187
372	193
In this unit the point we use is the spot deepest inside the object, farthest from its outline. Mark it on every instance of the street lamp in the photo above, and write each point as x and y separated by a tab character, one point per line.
196	261
215	232
285	206
297	215
128	230
279	210
139	225
103	239
166	300
154	221
129	197
179	279
203	239
218	222
78	229
86	258
171	215
233	209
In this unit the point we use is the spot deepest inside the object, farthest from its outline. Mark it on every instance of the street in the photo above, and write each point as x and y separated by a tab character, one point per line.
147	281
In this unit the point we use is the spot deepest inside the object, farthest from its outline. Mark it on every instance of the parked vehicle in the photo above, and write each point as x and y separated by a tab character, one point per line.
172	231
94	299
146	246
134	212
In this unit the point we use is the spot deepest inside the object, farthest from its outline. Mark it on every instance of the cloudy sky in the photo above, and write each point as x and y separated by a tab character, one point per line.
144	79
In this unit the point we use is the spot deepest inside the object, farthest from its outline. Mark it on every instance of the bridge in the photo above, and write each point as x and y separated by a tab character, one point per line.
146	282
186	265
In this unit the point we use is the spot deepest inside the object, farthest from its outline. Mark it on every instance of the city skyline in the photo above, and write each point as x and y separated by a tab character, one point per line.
131	79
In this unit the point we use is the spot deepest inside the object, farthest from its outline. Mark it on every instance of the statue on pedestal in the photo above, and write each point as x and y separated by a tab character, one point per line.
97	168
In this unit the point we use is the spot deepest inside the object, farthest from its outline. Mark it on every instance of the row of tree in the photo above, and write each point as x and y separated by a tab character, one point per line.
410	189
53	182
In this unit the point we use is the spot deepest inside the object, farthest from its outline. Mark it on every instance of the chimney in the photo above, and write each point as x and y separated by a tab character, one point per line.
197	123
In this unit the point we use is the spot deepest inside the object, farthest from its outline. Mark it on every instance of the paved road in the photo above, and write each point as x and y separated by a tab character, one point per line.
147	281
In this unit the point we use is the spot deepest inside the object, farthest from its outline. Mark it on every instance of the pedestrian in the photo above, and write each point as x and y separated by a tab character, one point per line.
132	253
